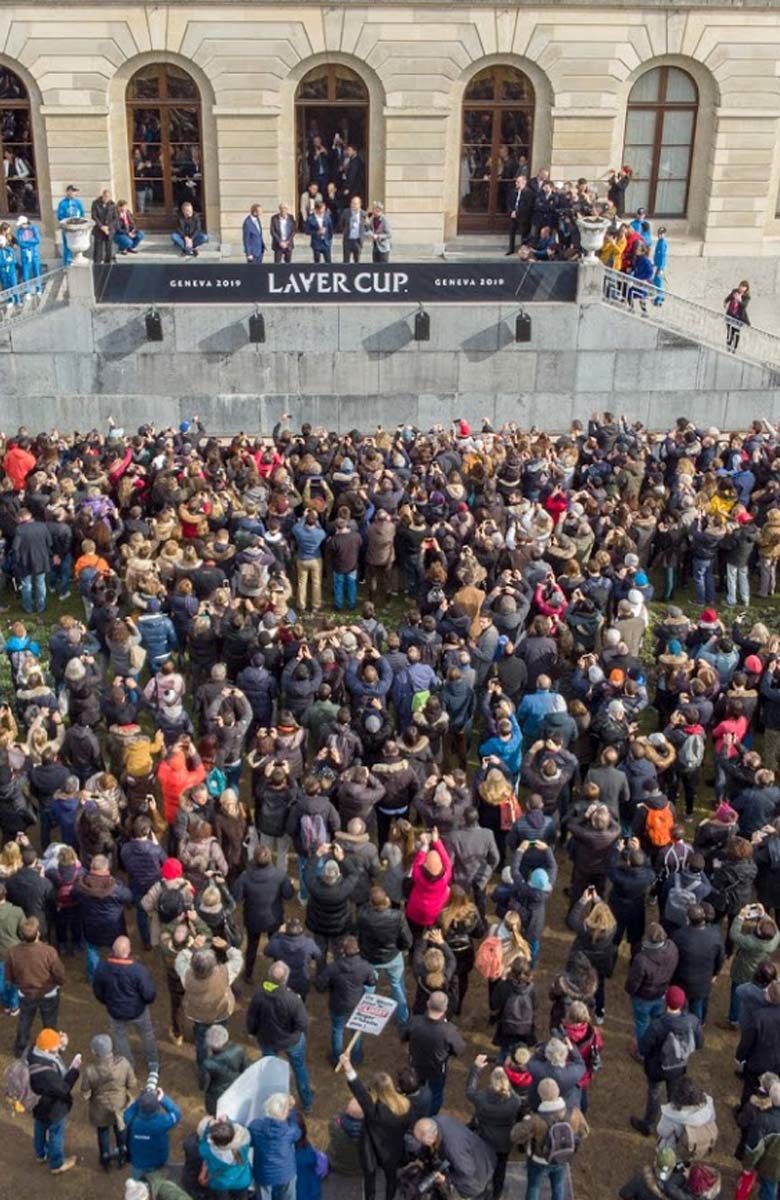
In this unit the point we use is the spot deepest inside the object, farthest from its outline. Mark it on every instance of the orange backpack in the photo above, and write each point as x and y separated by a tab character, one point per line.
659	825
489	959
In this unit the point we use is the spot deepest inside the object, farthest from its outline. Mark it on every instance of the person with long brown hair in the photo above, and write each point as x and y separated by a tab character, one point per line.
387	1115
461	923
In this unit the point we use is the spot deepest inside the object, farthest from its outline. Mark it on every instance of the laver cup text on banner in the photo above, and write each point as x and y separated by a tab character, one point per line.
373	283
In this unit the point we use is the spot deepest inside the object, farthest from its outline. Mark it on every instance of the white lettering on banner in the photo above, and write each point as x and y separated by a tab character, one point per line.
399	281
371	1013
340	282
364	278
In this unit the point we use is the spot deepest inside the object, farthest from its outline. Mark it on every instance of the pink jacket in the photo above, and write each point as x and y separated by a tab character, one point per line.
429	896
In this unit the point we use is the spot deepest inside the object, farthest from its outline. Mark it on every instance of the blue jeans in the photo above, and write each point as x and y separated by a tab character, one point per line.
699	1007
60	575
767	1189
538	1172
303	891
338	1025
340	583
33	583
297	1056
93	958
49	1142
645	1011
737	578
734	1005
437	1087
142	921
127	241
277	1191
534	945
703	581
198	240
9	994
395	975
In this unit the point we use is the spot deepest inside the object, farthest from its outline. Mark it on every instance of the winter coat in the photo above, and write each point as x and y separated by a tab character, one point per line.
328	910
429	896
317	805
382	934
228	1168
474	856
263	891
652	1041
297	951
762	1144
53	1083
431	1043
759	1046
494	1114
221	1069
750	950
142	860
652	970
345	980
108	1084
276	1017
674	1122
273	1144
260	689
766	856
702	955
102	901
174	778
382	1142
732	885
125	987
147	1134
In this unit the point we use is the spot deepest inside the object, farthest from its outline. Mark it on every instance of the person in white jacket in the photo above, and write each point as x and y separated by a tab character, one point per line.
687	1124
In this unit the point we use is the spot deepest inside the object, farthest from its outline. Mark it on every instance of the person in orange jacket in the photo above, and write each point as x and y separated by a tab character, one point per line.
181	769
90	558
18	462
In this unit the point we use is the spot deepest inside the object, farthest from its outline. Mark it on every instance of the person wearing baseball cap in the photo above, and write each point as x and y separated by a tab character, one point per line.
666	1047
53	1083
69	207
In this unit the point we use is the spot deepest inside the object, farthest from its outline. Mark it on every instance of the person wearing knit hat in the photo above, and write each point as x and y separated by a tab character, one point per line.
650	1182
109	1085
666	1048
709	619
754	665
52	1082
533	1132
149	1120
171	869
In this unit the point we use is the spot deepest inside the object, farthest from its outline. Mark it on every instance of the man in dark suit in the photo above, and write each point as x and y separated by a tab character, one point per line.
521	207
319	226
282	234
32	560
104	216
353	173
318	160
352	225
254	245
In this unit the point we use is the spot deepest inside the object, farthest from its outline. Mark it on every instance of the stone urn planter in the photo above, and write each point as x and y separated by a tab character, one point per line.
592	230
78	231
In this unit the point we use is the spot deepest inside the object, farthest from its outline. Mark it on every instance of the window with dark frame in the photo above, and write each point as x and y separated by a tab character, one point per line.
331	103
20	191
661	115
166	145
497	137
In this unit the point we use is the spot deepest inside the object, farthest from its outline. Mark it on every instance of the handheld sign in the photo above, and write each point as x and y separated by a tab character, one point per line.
370	1015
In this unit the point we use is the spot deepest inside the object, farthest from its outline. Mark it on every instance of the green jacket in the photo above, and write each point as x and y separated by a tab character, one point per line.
750	950
10	918
165	1189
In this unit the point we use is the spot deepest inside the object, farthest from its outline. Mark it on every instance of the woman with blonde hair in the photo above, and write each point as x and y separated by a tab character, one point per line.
496	1109
10	859
594	923
461	924
387	1115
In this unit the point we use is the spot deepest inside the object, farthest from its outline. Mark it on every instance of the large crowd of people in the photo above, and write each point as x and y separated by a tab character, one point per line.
236	772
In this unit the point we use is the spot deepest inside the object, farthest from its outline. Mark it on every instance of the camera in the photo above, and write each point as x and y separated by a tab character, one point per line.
428	1182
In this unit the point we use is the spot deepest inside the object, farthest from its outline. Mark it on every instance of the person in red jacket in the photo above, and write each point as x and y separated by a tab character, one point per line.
430	890
18	463
174	777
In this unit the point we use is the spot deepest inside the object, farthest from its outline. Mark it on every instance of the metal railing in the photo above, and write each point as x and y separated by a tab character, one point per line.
29	299
687	319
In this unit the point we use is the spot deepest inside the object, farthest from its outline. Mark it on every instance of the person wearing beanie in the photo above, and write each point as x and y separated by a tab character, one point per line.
666	1048
530	895
52	1082
656	1180
108	1084
149	1120
533	1131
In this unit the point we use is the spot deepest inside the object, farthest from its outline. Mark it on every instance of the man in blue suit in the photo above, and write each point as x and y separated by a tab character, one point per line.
254	246
320	228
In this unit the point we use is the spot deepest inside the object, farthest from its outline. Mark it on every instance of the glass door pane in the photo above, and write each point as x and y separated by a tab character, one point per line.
476	160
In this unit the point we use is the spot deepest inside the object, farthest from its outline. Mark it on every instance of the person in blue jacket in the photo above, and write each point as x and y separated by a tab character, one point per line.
273	1141
28	239
660	255
641	225
319	226
158	635
8	276
69	206
506	746
225	1150
252	230
643	271
148	1121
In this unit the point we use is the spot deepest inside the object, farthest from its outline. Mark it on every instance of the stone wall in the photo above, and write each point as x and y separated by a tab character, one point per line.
416	60
352	366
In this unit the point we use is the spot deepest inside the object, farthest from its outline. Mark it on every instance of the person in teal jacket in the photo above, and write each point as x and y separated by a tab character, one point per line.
226	1151
28	239
660	254
8	277
69	206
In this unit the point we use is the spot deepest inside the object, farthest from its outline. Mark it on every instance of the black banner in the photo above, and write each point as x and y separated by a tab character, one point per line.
376	283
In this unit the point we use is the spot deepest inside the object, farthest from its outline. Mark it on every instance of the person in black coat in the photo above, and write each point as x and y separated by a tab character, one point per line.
432	1040
595	927
759	1046
766	855
29	889
31	554
631	877
496	1109
104	216
53	1083
687	1029
277	1017
736	305
521	207
331	883
702	955
387	1116
345	980
263	889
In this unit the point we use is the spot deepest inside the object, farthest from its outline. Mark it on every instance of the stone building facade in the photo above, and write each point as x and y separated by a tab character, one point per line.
224	97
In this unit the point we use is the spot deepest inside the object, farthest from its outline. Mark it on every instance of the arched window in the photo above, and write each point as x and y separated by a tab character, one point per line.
166	147
660	128
331	113
498	126
20	194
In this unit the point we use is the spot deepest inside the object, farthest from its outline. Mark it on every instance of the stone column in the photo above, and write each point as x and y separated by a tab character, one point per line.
415	187
248	155
581	143
743	149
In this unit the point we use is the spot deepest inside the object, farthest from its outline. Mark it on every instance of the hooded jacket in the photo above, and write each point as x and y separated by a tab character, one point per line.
328	910
276	1017
147	1134
53	1083
174	778
102	901
429	895
263	891
345	980
652	970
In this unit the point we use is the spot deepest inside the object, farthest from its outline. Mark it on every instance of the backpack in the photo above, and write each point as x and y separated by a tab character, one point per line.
17	1087
697	1141
691	753
676	1050
560	1143
489	959
678	901
517	1016
170	904
658	826
314	832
